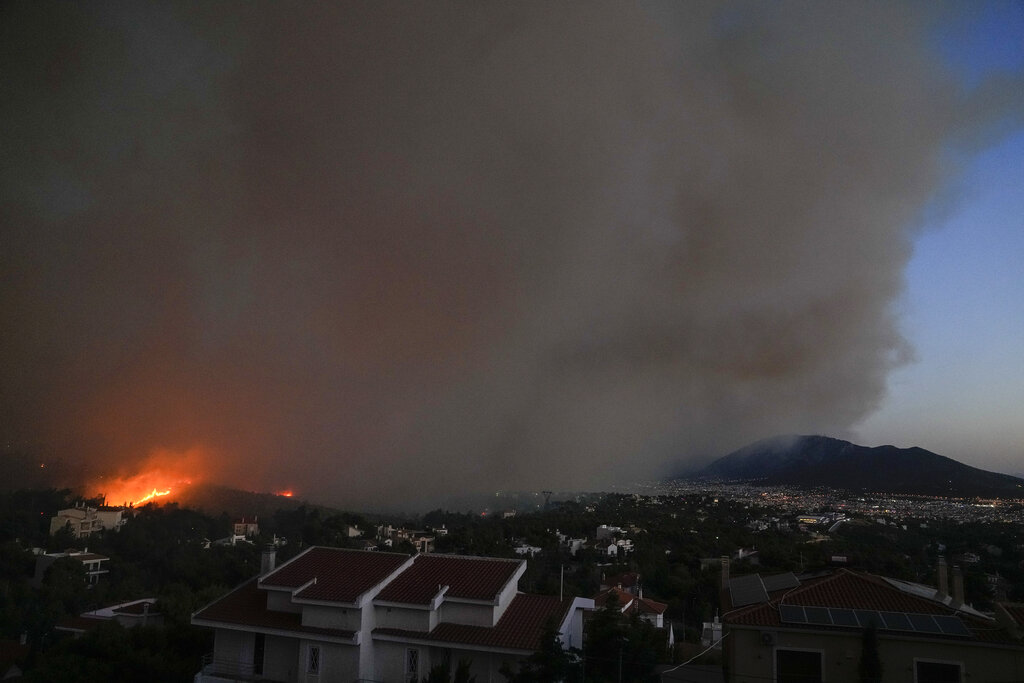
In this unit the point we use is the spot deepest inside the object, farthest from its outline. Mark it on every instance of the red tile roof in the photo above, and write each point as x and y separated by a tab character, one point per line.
1015	610
341	575
520	627
648	606
632	602
247	606
854	590
621	596
470	578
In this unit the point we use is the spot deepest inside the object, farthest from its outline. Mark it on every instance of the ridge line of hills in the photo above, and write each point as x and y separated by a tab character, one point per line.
814	460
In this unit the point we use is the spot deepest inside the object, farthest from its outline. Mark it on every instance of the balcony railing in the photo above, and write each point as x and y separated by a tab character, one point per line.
231	670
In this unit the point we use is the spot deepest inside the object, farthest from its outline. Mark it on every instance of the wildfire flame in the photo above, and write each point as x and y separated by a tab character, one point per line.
162	475
151	495
286	494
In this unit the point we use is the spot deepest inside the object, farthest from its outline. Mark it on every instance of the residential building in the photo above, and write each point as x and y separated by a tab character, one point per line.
789	628
421	541
246	527
711	633
95	564
129	614
342	614
648	610
363	544
84	520
629	582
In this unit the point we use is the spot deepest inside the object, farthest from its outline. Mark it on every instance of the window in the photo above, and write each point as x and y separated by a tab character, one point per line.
313	660
412	665
936	672
798	666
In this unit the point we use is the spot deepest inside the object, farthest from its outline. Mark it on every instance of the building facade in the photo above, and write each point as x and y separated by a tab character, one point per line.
84	520
338	614
786	629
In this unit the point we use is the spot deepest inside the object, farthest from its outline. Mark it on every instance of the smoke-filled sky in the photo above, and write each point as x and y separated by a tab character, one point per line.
386	252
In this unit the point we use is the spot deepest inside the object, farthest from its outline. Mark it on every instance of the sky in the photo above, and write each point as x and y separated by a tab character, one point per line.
377	252
963	306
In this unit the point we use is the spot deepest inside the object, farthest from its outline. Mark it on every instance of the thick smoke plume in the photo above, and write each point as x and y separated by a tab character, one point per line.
383	252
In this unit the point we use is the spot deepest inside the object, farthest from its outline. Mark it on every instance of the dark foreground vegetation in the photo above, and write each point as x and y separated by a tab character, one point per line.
168	552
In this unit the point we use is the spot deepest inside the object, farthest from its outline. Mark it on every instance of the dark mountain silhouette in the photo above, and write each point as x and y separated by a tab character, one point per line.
823	461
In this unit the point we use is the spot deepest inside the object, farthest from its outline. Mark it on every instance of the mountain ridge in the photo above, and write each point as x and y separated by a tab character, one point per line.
816	460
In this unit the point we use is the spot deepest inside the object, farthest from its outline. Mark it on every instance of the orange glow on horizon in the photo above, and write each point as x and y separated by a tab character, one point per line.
286	494
161	476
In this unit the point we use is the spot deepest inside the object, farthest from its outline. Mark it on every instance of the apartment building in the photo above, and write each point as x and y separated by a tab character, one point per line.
85	520
340	614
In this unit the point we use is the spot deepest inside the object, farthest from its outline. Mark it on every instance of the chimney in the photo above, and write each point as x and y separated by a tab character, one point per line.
943	589
958	586
725	572
267	560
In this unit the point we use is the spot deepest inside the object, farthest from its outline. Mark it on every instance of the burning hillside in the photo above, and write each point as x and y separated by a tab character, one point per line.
162	476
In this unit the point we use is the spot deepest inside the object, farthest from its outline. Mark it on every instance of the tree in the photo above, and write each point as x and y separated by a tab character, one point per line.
620	648
550	664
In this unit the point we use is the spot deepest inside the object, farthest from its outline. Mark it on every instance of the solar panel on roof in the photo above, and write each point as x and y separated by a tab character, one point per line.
844	617
951	626
818	615
867	617
780	582
897	621
793	614
924	623
747	590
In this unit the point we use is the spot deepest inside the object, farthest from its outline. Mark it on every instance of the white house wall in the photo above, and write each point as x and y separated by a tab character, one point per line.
367	652
465	613
486	666
752	661
403	618
322	616
281	601
337	662
279	658
234	649
572	636
390	661
505	598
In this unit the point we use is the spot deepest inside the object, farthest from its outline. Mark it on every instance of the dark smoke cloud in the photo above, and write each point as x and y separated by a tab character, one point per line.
382	252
